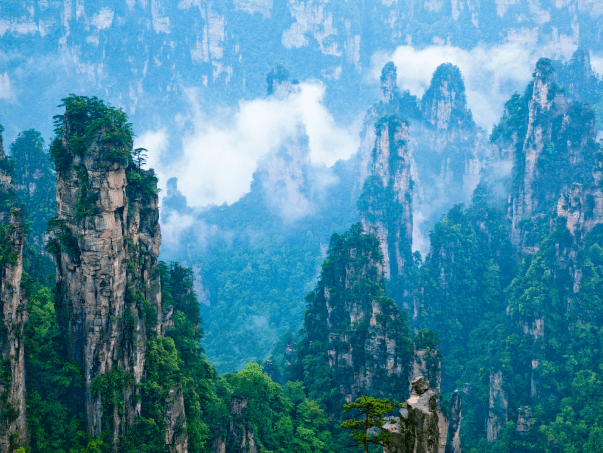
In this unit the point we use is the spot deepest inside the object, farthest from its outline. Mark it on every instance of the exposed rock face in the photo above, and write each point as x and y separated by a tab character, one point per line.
386	201
105	243
175	418
417	428
13	430
499	403
581	208
446	150
554	152
556	176
392	102
444	107
456	417
451	150
524	420
389	83
426	368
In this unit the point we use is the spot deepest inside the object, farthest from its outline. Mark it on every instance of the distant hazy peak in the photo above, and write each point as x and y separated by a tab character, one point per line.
445	102
389	83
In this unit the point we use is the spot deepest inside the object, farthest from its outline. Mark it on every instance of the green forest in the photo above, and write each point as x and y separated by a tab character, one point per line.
500	321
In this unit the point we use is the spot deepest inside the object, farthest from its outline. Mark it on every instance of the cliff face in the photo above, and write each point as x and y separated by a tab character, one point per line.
497	406
444	107
426	366
553	148
105	242
416	429
555	208
214	46
13	430
385	204
456	418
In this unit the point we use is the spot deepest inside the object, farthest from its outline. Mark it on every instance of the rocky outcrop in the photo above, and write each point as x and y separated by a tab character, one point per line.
13	428
385	204
392	102
105	243
361	328
416	430
555	187
498	405
426	364
444	106
451	151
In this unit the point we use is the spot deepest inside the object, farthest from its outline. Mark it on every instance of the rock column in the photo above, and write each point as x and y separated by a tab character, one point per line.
13	428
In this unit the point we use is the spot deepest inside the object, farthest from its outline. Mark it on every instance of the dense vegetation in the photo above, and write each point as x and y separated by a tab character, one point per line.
536	318
281	419
257	266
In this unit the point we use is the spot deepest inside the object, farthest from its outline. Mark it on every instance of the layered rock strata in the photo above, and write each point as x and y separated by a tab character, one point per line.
13	428
426	365
555	187
553	144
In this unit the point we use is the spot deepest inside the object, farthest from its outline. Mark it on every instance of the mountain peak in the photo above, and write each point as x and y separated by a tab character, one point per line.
445	103
389	83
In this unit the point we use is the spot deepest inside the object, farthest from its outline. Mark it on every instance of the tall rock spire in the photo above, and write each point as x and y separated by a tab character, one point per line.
105	242
13	430
352	326
385	204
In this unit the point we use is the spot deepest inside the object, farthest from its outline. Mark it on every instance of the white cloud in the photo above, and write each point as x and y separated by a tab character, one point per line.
5	89
219	156
492	74
596	61
103	19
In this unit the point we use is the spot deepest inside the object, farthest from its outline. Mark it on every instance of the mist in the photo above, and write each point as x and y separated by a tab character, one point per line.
220	153
491	73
